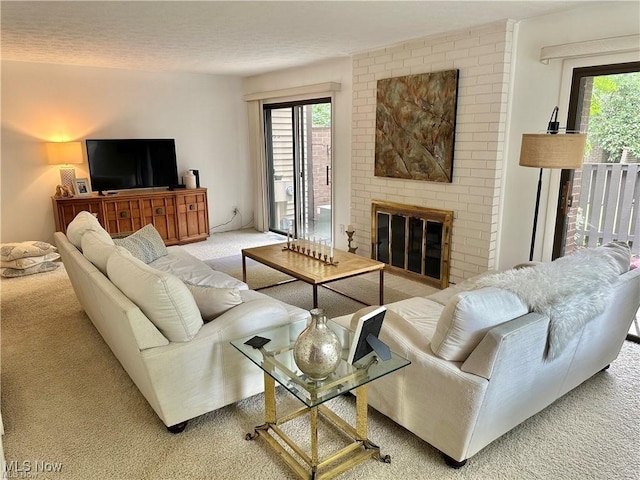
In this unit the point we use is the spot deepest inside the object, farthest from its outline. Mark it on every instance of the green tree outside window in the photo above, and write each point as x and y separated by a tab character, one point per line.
614	122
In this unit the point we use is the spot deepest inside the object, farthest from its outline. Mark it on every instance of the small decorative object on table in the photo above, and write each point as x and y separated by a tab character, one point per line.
189	179
365	339
82	187
316	249
350	231
62	191
317	351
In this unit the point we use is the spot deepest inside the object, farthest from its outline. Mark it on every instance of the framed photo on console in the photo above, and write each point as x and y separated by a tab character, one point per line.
82	187
369	324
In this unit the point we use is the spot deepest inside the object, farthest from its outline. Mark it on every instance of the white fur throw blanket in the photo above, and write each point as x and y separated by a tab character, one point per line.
570	291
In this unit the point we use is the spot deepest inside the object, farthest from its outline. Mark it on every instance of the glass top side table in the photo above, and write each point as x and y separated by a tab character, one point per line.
276	360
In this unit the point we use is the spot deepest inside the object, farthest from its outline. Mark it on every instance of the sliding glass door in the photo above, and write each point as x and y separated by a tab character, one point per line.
298	153
599	202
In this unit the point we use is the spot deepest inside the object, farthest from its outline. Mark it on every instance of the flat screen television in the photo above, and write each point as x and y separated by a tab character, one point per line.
135	163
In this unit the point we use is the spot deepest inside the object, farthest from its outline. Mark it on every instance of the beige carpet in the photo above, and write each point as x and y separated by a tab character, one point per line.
363	288
66	399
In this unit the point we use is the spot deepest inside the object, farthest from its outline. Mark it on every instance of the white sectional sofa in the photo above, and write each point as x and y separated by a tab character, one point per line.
183	366
483	361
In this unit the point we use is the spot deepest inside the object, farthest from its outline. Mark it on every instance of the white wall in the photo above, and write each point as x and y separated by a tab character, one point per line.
536	90
338	71
204	113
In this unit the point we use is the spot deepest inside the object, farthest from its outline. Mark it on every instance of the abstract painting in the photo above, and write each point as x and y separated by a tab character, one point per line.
415	126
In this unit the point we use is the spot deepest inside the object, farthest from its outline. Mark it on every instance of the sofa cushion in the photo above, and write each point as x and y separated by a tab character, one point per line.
83	222
422	313
163	298
18	250
145	244
97	249
213	301
443	296
468	316
190	269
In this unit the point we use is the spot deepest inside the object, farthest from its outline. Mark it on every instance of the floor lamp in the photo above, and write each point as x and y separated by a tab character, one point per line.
550	150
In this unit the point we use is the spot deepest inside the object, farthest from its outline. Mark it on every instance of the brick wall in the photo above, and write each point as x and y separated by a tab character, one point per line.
483	56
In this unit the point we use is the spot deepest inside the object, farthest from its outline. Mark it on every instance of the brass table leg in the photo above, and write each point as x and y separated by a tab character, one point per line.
361	422
361	412
269	399
313	413
269	407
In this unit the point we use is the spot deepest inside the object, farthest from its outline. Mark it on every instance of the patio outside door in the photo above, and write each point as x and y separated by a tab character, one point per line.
299	160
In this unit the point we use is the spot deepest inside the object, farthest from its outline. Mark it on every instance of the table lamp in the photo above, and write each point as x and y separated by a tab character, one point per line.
65	153
550	150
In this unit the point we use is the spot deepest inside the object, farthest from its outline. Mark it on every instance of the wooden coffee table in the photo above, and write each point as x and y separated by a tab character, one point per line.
313	271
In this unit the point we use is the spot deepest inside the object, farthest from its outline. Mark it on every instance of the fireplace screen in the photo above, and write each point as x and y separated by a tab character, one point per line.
413	240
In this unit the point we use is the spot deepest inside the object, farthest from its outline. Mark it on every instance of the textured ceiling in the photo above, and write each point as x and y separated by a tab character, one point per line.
234	38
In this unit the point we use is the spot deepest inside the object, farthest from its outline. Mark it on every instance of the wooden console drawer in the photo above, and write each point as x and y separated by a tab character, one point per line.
123	215
65	211
161	213
193	216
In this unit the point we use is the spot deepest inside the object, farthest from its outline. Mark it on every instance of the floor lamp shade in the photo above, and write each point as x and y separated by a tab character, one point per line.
552	150
65	153
549	150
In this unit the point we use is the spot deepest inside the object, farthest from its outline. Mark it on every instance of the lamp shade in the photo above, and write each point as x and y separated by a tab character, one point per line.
552	150
64	152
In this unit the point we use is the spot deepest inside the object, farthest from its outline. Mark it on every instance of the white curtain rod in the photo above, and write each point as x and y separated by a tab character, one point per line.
627	43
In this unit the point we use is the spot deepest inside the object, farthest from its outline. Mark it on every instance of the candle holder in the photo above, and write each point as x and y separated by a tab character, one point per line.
307	252
349	240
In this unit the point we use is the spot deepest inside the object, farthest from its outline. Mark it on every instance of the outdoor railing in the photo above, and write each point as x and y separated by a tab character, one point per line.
609	205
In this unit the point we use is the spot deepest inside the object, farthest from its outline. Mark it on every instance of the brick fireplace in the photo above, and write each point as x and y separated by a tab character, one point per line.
413	241
483	57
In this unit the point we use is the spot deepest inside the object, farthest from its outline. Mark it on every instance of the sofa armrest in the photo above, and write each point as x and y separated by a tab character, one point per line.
529	330
521	381
207	372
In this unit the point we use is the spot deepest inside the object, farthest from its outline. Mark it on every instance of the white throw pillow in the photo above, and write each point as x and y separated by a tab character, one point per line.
469	316
27	262
145	244
21	272
83	222
17	250
163	298
212	301
97	249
